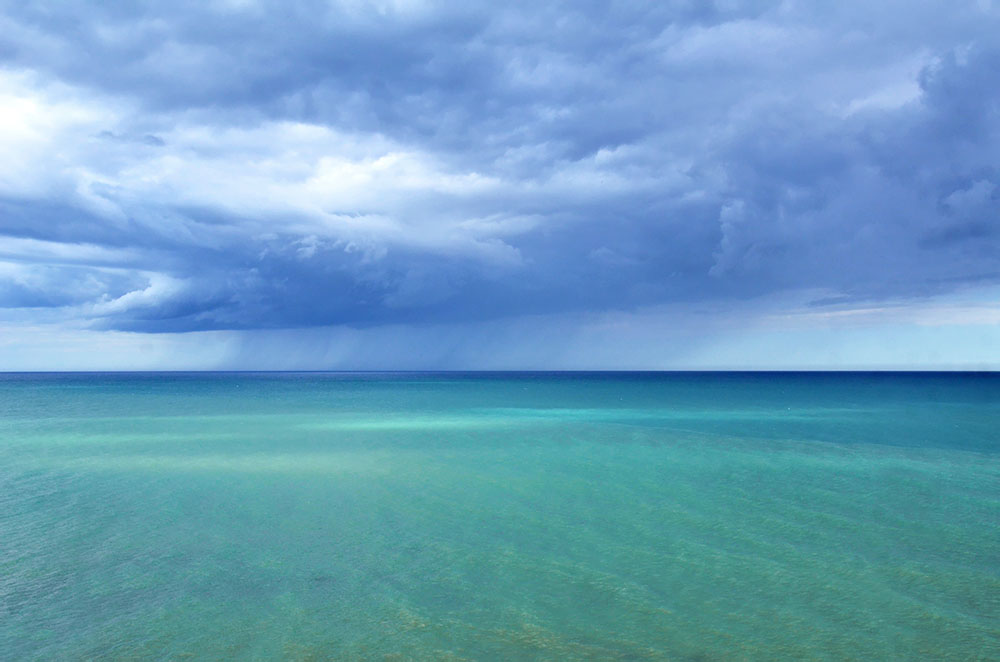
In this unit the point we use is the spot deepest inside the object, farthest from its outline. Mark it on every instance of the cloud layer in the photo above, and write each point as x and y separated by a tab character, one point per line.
255	165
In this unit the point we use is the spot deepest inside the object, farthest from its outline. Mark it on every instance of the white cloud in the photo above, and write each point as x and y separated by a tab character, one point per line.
43	131
33	251
160	288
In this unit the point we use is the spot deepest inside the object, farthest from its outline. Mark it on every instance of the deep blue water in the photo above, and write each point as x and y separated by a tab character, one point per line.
500	516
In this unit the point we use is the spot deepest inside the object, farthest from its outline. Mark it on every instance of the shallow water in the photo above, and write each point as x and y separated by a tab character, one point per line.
500	516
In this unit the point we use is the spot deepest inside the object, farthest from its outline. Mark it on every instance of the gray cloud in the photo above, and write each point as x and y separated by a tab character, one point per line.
266	165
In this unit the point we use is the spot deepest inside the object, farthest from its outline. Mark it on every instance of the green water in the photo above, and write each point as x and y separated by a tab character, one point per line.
500	517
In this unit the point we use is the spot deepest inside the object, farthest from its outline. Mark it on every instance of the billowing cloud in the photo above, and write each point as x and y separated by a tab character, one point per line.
257	165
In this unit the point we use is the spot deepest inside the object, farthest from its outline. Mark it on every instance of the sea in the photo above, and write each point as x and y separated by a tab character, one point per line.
500	516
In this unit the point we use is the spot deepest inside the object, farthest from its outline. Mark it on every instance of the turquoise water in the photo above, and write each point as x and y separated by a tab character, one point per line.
500	517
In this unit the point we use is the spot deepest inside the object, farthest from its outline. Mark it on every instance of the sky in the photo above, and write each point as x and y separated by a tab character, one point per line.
400	184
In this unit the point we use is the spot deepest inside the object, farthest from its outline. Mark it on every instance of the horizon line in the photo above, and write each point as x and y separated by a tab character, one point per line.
522	371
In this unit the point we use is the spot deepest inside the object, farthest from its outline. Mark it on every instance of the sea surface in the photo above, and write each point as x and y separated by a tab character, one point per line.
511	516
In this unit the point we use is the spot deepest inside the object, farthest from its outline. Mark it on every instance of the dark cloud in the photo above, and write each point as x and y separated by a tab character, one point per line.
267	165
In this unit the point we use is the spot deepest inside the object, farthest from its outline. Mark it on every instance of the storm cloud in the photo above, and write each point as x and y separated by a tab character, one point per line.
241	165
